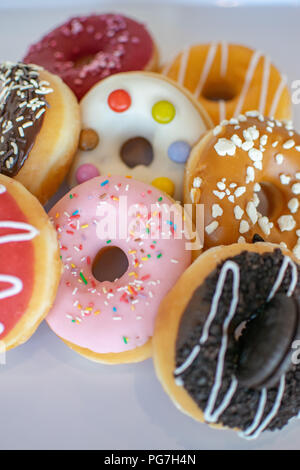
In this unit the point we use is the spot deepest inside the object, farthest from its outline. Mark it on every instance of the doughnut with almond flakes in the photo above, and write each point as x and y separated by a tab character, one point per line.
246	173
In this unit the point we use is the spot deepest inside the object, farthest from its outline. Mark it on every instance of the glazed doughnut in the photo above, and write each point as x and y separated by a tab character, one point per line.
224	339
39	124
87	49
30	266
229	79
113	281
139	124
246	173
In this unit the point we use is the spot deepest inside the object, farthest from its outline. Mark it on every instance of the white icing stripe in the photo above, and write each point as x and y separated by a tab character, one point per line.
277	96
224	58
166	69
264	86
29	234
190	359
273	411
207	66
222	110
228	266
213	417
285	263
2	189
258	415
16	288
183	66
248	78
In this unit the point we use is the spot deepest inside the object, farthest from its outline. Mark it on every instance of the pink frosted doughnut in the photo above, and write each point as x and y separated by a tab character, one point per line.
112	320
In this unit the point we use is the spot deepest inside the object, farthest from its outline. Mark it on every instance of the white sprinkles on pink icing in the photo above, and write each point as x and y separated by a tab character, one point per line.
112	317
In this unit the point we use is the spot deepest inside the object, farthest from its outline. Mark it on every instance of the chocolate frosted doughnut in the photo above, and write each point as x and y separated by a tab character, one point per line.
227	357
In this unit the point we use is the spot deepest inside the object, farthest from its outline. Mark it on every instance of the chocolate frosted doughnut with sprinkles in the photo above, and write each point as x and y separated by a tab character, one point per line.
226	337
246	173
123	246
229	79
87	49
39	124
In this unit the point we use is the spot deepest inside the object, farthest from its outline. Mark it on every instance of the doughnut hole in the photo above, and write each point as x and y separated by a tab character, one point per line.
217	91
110	264
270	200
83	60
136	151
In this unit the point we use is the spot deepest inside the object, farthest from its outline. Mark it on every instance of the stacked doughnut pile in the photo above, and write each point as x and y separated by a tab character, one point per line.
179	237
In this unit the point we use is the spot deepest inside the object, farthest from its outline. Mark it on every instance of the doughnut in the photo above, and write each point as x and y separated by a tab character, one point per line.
30	267
229	79
114	279
138	124
87	49
246	174
39	128
224	338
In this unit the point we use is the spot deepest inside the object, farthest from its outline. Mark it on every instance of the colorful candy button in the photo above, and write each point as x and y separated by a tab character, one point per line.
164	184
86	172
119	101
163	112
179	151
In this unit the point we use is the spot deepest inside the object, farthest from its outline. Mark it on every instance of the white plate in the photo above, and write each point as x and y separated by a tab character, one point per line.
49	396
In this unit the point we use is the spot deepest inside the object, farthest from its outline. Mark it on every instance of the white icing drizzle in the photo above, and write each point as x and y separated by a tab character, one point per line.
207	66
248	78
277	95
29	234
272	414
224	58
264	85
183	66
258	416
190	359
208	412
222	110
285	263
16	288
211	415
2	189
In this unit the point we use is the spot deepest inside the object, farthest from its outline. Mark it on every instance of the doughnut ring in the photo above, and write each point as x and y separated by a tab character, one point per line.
138	124
114	280
229	79
246	173
224	339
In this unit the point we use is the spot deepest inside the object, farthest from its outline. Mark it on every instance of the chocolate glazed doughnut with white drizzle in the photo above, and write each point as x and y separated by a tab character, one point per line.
225	339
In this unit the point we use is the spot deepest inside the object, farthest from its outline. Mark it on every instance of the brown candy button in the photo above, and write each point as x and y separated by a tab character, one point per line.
137	151
110	264
88	140
265	345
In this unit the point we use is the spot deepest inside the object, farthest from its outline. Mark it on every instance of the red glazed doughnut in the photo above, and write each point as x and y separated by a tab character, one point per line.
30	267
87	49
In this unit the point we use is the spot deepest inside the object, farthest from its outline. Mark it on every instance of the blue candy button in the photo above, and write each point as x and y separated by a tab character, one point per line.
179	151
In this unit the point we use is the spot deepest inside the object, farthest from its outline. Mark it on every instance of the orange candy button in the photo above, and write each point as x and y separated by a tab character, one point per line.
119	101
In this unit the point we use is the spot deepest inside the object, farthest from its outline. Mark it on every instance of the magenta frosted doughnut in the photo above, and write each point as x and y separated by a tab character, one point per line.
87	49
115	316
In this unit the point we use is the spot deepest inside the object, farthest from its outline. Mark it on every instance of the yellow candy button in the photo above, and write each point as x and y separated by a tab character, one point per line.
164	184
163	112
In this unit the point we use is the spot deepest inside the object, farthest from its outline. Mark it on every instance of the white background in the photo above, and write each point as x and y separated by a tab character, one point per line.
49	396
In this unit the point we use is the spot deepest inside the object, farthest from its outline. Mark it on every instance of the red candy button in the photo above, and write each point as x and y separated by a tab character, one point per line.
119	101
